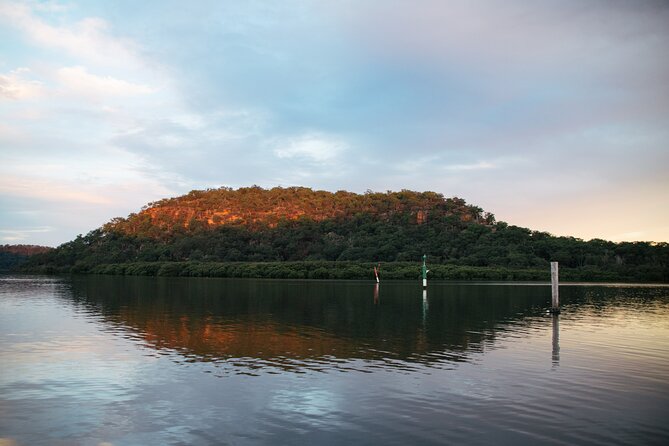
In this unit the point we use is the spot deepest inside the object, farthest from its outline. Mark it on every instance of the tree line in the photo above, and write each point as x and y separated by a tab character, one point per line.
13	256
354	243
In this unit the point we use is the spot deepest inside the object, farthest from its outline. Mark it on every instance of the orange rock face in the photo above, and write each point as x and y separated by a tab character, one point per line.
257	206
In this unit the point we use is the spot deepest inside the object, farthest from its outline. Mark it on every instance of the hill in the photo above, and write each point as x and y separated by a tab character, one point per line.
298	225
13	256
255	207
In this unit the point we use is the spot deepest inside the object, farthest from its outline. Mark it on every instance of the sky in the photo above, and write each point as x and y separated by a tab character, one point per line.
552	115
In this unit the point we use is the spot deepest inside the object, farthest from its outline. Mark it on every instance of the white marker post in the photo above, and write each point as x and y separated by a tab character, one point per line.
425	271
555	301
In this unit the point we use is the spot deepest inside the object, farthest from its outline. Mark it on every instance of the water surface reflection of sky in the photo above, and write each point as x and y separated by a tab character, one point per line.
169	361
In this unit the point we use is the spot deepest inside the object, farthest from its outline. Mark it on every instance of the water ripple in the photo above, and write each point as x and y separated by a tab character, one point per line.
166	361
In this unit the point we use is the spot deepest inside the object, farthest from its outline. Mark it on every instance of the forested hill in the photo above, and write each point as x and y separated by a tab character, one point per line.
13	256
254	207
301	225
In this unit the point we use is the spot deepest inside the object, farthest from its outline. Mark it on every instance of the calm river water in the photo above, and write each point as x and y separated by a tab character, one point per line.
157	361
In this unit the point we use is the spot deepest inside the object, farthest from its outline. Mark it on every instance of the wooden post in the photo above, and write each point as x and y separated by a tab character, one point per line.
555	301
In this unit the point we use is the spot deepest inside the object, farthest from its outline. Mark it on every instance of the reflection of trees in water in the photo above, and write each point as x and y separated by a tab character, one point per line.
601	301
220	319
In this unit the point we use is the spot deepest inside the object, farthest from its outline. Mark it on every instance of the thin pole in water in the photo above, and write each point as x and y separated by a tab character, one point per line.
555	285
376	272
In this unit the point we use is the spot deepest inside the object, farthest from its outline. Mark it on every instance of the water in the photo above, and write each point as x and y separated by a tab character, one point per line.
143	361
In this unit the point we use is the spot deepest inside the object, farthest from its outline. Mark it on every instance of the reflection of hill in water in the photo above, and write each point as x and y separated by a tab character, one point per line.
295	321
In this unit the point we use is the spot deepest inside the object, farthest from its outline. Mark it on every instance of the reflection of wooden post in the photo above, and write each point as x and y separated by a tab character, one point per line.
376	293
556	339
425	305
555	301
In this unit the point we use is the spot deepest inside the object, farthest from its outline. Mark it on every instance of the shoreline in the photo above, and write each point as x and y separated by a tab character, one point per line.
350	270
13	275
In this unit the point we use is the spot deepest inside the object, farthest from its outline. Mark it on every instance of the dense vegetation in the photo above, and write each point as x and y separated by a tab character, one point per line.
13	256
345	270
255	207
349	231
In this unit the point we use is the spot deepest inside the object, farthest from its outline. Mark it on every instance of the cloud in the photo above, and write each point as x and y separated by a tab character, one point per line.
88	39
77	80
512	34
315	147
482	165
14	85
70	196
47	189
507	104
526	67
10	235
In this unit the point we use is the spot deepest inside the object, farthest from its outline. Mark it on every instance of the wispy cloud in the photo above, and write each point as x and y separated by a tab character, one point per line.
313	147
15	85
78	81
49	190
88	39
17	235
482	165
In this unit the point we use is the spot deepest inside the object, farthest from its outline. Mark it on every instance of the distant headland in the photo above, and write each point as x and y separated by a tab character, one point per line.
297	232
